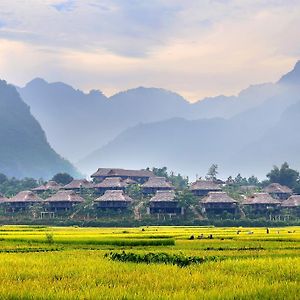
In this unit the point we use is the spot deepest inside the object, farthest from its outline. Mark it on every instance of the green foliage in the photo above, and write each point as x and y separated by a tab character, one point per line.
62	178
212	172
49	238
186	198
177	180
161	257
284	175
12	186
134	191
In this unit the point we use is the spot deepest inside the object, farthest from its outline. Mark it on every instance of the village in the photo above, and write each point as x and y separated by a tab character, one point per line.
140	194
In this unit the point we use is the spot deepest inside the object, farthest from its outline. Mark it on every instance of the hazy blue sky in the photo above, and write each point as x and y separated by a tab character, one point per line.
197	48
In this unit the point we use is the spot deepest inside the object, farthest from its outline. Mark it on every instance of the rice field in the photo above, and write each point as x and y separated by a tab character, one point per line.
76	263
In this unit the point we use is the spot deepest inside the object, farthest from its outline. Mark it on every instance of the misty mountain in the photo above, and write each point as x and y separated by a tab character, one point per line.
249	142
24	150
77	122
69	116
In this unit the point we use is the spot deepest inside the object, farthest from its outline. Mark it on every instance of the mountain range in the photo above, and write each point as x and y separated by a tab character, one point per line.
24	150
142	127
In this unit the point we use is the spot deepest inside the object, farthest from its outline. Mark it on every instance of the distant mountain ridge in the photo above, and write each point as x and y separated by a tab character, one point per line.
249	142
24	150
68	115
77	123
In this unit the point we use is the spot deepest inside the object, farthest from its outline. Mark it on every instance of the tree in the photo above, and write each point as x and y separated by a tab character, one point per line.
285	175
253	180
160	172
212	172
186	198
3	178
62	178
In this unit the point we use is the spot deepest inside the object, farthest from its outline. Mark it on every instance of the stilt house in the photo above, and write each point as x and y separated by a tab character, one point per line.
63	201
164	202
140	176
49	186
22	201
201	188
218	203
155	184
278	191
115	200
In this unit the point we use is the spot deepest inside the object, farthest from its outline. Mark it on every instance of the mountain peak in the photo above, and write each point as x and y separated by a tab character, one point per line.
38	81
292	77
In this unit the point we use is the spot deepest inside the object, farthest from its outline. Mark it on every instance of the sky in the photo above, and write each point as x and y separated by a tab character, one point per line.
198	48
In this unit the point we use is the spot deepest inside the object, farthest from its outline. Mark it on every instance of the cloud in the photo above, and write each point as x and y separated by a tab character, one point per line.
198	48
64	6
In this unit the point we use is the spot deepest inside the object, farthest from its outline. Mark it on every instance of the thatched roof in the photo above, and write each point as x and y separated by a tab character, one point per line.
260	198
163	196
217	197
111	172
293	201
277	188
205	185
111	182
77	184
49	186
114	195
157	182
65	196
25	196
129	181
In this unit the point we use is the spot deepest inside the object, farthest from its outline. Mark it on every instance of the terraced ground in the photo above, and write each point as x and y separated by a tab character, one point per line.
77	263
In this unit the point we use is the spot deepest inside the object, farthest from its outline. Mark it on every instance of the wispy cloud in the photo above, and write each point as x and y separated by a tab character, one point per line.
196	47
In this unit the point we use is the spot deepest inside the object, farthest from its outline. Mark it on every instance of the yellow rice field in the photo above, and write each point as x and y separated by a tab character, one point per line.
69	263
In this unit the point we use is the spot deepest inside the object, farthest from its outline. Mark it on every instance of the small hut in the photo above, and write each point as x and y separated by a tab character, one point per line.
156	184
63	201
140	176
218	203
201	188
22	201
78	185
261	203
164	202
291	206
49	186
115	200
278	191
110	183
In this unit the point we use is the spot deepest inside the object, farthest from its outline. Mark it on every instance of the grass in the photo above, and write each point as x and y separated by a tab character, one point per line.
71	263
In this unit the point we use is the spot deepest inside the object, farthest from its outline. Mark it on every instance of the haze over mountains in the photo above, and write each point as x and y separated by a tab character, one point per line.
141	127
24	150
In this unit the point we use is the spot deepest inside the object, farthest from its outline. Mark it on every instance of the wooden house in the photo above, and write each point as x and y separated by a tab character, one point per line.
115	200
22	201
291	206
164	202
110	183
218	203
201	188
140	176
278	191
155	184
261	203
78	185
63	201
49	186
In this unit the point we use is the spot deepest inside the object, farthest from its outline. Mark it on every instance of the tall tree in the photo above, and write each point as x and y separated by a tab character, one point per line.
62	178
284	175
212	172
